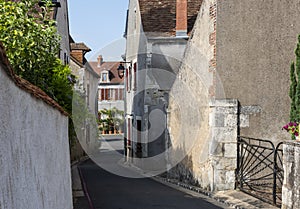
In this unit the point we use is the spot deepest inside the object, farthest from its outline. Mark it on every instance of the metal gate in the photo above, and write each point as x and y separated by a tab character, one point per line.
259	169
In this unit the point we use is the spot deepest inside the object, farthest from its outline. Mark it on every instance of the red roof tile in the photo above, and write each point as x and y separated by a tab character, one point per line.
159	16
79	46
109	66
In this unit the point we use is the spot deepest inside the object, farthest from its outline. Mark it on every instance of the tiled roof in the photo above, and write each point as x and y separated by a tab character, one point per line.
79	46
109	66
26	85
159	16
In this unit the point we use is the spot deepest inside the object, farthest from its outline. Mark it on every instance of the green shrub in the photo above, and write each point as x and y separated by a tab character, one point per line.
32	44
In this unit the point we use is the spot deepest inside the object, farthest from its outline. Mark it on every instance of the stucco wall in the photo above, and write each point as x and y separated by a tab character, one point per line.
136	49
255	46
34	151
91	81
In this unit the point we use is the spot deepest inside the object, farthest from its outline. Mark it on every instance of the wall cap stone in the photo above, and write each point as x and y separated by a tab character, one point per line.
223	103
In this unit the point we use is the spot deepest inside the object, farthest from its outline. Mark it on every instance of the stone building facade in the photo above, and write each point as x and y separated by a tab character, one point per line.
86	95
156	35
236	70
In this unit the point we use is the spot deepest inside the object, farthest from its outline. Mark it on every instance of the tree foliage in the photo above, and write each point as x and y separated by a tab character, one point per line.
110	119
32	45
295	86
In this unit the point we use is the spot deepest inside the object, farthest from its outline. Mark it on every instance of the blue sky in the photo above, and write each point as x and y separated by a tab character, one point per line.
100	24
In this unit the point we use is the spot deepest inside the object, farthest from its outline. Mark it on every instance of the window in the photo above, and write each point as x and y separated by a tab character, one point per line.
112	94
134	76
104	77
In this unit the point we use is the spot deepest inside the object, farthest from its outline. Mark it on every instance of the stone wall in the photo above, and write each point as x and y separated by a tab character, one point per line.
291	181
203	131
223	146
237	50
34	146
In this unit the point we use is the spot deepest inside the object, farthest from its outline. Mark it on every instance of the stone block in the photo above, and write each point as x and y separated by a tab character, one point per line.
227	164
220	177
224	103
231	120
225	134
219	120
291	181
216	148
252	109
230	177
230	150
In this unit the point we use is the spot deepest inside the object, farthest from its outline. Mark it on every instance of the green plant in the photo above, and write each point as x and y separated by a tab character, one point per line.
110	119
32	44
295	86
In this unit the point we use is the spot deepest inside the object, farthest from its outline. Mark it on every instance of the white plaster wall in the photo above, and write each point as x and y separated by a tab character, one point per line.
34	152
93	81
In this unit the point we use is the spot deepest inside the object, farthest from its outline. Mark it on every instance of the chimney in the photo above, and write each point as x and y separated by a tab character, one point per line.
78	51
78	55
181	18
100	60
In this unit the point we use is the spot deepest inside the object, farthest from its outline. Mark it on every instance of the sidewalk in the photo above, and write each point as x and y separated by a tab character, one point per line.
232	198
80	200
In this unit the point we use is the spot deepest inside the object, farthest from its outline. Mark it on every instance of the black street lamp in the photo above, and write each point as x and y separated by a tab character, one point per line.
121	69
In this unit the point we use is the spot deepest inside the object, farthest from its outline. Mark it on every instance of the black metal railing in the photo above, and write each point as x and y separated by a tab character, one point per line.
259	169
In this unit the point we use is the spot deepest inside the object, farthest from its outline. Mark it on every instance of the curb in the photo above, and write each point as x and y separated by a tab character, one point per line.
231	204
82	159
84	187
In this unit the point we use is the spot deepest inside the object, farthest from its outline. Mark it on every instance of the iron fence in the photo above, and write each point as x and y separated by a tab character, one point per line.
259	169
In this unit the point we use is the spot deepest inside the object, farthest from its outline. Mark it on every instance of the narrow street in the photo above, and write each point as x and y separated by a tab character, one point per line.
105	190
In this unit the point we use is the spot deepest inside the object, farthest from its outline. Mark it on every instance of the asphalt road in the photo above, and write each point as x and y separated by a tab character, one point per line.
106	190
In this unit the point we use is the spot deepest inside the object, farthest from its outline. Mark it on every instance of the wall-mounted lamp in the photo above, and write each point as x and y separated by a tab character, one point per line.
121	69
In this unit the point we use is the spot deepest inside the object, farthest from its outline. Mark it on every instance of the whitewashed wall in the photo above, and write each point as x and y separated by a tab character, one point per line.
34	150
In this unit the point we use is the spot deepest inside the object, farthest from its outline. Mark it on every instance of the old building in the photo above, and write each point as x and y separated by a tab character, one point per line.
110	96
111	85
62	17
236	77
86	95
156	34
199	74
